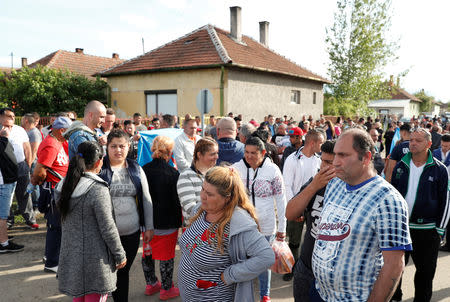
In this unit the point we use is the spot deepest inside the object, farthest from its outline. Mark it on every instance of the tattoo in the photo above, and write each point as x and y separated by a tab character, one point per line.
392	289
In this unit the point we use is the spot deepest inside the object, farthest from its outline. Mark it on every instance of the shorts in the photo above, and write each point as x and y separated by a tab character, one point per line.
6	197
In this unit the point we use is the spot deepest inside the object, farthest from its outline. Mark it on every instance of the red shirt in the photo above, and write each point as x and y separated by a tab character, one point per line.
51	153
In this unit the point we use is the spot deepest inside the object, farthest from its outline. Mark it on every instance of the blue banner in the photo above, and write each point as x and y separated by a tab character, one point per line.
146	141
395	139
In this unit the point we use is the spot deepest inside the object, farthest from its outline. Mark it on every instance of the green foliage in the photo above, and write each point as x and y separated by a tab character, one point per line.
358	52
46	91
427	101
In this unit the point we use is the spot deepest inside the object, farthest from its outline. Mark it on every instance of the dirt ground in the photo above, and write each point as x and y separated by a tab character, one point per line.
22	277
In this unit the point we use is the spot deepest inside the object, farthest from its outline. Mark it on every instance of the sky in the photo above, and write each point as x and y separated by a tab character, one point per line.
297	30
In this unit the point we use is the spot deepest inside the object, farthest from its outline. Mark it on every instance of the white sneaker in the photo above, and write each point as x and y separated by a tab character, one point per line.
53	269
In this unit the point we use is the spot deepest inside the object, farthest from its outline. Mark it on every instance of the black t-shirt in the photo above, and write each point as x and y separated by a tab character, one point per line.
400	150
312	216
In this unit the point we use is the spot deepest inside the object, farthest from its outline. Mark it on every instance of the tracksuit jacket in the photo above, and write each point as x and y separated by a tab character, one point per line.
431	206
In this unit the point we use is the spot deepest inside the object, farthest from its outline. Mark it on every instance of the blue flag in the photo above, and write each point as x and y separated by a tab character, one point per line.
395	139
146	141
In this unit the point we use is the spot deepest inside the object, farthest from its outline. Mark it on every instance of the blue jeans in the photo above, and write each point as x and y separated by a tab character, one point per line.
6	197
264	278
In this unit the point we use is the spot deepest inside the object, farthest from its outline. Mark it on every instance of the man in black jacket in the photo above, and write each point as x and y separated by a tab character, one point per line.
8	180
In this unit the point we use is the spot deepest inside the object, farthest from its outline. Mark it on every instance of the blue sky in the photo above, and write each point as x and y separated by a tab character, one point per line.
34	29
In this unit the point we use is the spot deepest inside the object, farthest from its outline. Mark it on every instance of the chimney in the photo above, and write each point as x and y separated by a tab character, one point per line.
115	55
79	50
235	23
24	62
264	33
398	82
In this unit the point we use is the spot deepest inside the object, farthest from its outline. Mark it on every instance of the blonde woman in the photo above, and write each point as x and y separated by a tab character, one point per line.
222	250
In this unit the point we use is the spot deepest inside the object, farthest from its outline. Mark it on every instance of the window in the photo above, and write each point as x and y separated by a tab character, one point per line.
314	98
163	101
295	96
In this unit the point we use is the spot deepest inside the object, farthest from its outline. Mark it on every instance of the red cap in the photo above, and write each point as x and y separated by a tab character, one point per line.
295	131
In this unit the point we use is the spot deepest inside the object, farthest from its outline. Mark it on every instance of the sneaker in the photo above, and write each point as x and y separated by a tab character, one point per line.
445	248
288	276
169	294
11	248
53	269
152	289
33	226
265	299
9	224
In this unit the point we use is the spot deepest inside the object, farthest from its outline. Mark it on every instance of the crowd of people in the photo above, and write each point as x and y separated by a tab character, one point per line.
366	198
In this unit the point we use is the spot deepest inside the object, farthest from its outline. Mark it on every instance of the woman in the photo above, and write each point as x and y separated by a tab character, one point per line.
222	250
189	184
330	130
90	246
131	200
162	179
264	184
271	149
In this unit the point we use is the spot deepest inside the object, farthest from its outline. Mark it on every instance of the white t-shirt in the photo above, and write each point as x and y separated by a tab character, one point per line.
413	183
17	137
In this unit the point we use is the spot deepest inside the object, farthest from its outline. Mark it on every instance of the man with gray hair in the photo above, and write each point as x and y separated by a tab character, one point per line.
245	132
230	150
423	182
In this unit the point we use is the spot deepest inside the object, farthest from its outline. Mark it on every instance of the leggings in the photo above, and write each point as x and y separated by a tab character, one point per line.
91	298
166	269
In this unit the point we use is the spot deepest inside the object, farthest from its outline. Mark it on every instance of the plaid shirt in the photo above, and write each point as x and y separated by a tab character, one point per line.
357	224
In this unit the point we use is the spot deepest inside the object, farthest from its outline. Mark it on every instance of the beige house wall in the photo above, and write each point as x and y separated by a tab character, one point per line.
257	94
128	91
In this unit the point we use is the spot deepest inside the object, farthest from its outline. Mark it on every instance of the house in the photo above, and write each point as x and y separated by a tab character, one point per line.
402	103
244	76
77	62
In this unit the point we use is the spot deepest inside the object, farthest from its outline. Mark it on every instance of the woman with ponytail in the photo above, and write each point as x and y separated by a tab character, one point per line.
90	245
222	250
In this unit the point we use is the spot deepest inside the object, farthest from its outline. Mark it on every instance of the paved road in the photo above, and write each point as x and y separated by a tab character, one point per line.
22	277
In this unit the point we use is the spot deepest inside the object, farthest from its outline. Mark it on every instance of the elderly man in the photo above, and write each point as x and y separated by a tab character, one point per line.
378	162
246	132
230	150
183	150
51	167
363	230
423	182
78	132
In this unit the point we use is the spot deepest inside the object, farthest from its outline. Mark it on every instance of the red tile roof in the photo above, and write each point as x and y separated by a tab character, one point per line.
401	94
79	63
7	70
210	46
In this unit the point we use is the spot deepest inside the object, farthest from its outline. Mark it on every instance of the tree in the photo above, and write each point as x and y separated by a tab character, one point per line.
427	101
359	50
46	91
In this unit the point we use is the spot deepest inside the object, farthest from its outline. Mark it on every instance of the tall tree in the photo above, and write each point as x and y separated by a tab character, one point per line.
46	90
359	50
427	101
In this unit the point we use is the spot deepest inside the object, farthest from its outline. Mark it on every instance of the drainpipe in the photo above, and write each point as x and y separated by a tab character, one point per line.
222	109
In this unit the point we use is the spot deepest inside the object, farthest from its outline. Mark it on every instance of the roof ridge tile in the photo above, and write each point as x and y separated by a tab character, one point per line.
221	50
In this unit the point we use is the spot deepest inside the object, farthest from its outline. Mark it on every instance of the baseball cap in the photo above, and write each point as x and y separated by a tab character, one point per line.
61	122
295	131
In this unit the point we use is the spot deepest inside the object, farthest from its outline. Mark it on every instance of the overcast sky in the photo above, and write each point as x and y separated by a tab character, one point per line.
33	29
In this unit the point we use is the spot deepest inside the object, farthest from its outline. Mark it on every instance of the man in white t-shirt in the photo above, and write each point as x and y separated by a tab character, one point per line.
298	168
22	150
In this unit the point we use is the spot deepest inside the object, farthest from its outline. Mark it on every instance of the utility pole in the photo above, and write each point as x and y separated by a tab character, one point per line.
12	60
143	49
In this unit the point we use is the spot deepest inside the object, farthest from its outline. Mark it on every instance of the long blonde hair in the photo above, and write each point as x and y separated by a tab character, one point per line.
229	185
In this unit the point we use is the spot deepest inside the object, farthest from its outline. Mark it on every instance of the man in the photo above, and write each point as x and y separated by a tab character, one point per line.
8	180
441	153
78	132
297	170
246	132
281	134
309	202
423	182
155	123
168	121
378	162
137	119
22	150
134	137
183	150
212	124
400	150
296	140
230	150
51	167
436	137
363	230
271	124
107	125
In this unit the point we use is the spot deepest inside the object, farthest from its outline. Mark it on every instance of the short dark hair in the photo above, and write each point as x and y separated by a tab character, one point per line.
136	114
362	142
237	118
445	137
29	117
257	142
110	111
328	147
116	133
155	120
2	111
127	122
262	134
169	119
313	135
405	127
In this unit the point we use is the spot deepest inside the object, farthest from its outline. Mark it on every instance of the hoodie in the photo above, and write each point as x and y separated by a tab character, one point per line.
76	134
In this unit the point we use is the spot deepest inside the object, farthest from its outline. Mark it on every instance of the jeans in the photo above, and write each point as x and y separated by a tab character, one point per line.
130	244
53	237
303	280
6	197
264	278
23	198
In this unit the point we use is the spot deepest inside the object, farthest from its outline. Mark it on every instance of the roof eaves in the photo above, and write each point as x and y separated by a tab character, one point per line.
322	80
162	69
218	44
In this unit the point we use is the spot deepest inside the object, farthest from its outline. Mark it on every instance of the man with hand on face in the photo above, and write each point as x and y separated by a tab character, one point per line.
309	203
363	230
423	181
78	132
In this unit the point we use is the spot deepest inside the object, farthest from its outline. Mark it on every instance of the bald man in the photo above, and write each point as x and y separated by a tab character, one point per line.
230	150
78	132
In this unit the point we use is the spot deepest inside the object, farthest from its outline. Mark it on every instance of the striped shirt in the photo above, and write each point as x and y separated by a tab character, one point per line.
202	264
188	187
357	224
